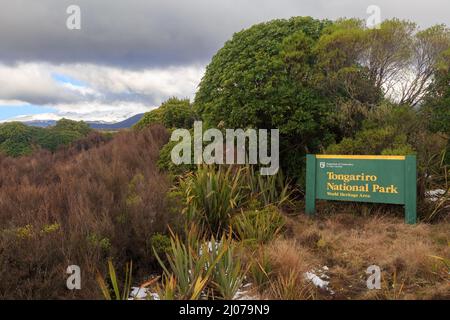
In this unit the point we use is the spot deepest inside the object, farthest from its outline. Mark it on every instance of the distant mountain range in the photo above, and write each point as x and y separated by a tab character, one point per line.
125	124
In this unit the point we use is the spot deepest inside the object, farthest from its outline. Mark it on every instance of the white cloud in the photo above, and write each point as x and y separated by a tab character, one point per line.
159	83
31	83
98	111
41	116
104	93
11	103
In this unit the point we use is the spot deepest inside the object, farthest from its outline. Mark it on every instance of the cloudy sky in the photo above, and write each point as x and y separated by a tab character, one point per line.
130	55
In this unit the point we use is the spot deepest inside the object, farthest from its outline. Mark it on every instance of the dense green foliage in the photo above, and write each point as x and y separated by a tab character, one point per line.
211	196
318	81
263	78
166	164
18	139
437	102
15	139
387	130
173	113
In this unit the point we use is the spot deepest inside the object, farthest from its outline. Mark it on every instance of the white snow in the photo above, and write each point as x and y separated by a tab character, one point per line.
210	247
434	195
242	294
138	293
317	278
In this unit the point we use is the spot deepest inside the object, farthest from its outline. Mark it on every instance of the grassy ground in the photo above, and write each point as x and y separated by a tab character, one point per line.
347	244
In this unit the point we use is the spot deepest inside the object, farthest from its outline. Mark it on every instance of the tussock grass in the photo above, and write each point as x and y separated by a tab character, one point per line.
348	244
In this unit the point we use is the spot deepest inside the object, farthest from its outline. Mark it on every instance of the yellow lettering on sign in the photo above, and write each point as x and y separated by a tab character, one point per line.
351	177
380	189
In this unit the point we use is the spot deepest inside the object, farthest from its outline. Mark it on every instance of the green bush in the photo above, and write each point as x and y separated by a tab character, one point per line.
388	130
53	138
267	190
73	126
263	78
228	274
165	162
437	105
160	243
18	139
173	113
185	275
437	102
15	139
373	141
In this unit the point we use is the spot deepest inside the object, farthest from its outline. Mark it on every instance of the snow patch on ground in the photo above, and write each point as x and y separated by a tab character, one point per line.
138	293
244	294
319	278
435	195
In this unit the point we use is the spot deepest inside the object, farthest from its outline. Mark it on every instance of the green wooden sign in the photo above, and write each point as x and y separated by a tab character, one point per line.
363	178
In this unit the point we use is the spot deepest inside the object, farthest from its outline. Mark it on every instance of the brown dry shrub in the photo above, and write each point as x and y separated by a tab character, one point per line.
286	255
80	205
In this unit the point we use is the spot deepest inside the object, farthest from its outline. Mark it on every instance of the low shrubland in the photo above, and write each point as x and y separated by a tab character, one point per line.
95	200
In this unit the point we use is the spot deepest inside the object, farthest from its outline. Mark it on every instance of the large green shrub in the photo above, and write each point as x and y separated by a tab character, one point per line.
15	139
80	127
264	78
388	130
437	105
173	113
165	162
52	139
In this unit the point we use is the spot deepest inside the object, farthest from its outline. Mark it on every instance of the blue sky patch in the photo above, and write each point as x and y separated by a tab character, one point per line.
8	111
61	78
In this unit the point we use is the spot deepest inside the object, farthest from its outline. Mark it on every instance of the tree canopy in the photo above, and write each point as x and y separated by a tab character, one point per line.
264	78
317	80
173	113
18	139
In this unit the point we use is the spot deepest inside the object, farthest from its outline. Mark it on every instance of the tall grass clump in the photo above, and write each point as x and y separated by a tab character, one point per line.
260	268
200	269
290	286
112	290
258	225
212	195
228	273
185	275
267	190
